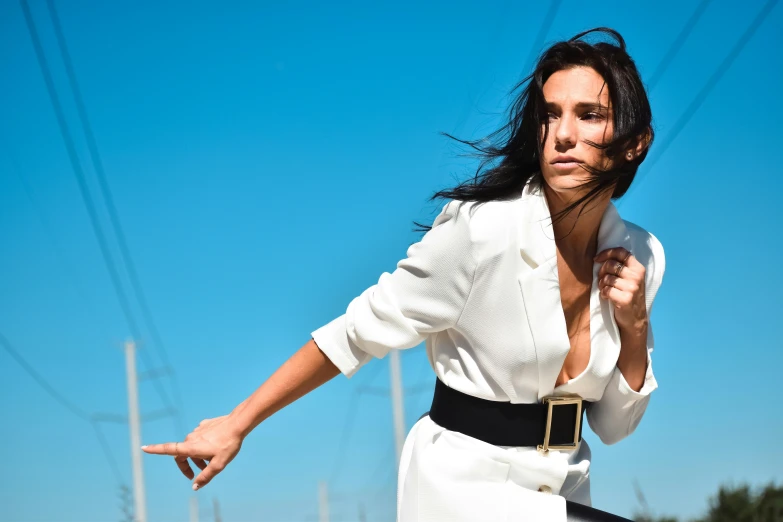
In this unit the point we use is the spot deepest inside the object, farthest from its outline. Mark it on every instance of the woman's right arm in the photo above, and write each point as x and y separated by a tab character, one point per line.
303	372
426	293
218	440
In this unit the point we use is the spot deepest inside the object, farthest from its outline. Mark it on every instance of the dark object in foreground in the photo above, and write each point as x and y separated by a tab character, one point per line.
580	513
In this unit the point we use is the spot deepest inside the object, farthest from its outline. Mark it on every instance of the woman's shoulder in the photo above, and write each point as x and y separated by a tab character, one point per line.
488	228
484	220
645	242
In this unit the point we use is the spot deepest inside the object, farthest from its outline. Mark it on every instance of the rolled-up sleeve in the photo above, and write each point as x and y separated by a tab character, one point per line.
425	294
619	411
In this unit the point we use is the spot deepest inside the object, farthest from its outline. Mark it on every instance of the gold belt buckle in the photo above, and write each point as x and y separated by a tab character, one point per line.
553	401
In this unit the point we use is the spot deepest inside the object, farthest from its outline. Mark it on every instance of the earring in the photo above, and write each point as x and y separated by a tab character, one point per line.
629	155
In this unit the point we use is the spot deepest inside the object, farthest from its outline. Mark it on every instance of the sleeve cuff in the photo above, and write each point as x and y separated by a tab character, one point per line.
625	389
332	340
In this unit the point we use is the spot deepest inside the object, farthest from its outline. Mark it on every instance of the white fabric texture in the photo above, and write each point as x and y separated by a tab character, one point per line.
481	289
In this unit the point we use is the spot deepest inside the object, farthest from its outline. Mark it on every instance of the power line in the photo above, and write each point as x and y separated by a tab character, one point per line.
43	383
350	417
107	196
107	452
76	166
707	88
677	44
344	438
48	230
464	112
67	404
386	488
471	101
549	19
716	76
365	389
383	463
542	32
85	193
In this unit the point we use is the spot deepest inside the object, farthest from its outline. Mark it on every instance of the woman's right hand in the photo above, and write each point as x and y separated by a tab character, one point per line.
211	446
217	441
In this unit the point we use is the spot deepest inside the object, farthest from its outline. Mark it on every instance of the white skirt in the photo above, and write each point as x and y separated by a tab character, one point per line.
446	476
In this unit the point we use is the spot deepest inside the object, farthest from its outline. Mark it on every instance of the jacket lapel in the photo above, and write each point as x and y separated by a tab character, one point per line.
540	287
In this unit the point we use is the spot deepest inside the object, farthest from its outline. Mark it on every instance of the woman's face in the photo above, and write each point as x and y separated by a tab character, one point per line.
578	107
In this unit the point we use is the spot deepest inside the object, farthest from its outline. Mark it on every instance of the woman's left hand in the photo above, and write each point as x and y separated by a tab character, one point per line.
626	290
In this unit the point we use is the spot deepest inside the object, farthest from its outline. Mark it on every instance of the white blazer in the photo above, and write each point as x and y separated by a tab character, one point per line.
481	289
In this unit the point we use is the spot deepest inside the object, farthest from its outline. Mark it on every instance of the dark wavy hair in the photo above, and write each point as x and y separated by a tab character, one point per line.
510	156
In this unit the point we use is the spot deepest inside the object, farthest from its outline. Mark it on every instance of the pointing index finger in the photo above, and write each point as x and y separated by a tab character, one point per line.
169	448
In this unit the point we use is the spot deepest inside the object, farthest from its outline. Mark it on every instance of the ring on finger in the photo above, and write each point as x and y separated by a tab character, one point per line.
620	267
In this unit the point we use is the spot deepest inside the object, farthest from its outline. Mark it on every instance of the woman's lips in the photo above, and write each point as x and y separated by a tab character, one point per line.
565	165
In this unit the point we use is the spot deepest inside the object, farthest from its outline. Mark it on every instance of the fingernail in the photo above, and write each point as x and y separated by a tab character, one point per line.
195	487
144	446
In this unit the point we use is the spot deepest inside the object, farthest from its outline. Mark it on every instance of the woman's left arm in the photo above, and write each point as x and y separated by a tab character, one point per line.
632	361
627	394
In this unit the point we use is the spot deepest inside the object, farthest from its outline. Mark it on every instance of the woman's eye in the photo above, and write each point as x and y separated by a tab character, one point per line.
592	116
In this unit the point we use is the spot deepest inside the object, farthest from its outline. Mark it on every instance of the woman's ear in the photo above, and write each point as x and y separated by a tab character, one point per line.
643	142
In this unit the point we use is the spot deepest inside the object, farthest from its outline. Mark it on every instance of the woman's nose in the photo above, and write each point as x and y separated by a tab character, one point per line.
564	134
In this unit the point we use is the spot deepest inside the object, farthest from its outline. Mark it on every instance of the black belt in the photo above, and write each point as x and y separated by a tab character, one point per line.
555	423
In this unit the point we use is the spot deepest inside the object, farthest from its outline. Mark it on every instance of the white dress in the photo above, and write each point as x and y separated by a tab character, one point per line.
481	289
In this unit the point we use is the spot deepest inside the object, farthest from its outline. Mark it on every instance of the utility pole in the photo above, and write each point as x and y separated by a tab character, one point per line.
193	508
323	502
216	509
135	432
397	402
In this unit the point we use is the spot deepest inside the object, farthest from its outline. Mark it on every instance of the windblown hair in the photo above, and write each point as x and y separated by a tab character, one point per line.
510	156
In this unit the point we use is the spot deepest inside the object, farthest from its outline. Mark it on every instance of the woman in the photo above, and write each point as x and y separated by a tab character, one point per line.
532	295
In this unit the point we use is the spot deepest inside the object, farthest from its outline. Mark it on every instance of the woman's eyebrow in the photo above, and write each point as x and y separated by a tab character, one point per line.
581	105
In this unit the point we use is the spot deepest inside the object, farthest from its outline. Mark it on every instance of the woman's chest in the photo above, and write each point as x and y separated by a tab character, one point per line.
527	335
575	288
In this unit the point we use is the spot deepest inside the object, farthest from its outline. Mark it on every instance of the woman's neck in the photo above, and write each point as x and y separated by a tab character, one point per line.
577	237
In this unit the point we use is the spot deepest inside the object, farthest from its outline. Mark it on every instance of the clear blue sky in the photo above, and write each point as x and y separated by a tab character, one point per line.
267	164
